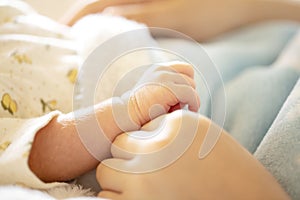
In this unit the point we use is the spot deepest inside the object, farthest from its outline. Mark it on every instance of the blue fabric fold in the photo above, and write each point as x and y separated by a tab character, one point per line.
253	100
279	150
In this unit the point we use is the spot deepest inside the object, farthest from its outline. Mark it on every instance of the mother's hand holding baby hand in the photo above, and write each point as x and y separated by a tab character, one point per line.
162	89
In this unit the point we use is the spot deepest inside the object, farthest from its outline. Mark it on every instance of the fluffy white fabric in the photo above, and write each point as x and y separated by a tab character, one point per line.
69	192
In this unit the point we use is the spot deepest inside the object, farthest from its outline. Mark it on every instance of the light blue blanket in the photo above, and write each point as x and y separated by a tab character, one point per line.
279	151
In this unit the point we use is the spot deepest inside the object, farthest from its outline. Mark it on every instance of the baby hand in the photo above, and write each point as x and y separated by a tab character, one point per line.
162	89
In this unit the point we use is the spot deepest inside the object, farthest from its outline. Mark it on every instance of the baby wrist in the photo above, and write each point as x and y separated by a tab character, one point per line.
124	113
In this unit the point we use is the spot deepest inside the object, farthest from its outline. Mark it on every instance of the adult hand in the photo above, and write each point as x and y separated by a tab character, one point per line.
166	165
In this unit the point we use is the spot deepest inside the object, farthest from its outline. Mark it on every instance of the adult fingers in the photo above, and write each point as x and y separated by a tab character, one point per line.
123	146
110	179
149	139
109	195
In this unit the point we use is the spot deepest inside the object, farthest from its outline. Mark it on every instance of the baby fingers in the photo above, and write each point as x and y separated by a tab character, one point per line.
185	95
177	78
176	66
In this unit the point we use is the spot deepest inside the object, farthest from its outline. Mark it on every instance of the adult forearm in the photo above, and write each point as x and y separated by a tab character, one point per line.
261	10
216	18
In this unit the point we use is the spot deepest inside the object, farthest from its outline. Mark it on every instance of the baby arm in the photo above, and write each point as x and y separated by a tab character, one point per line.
58	153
